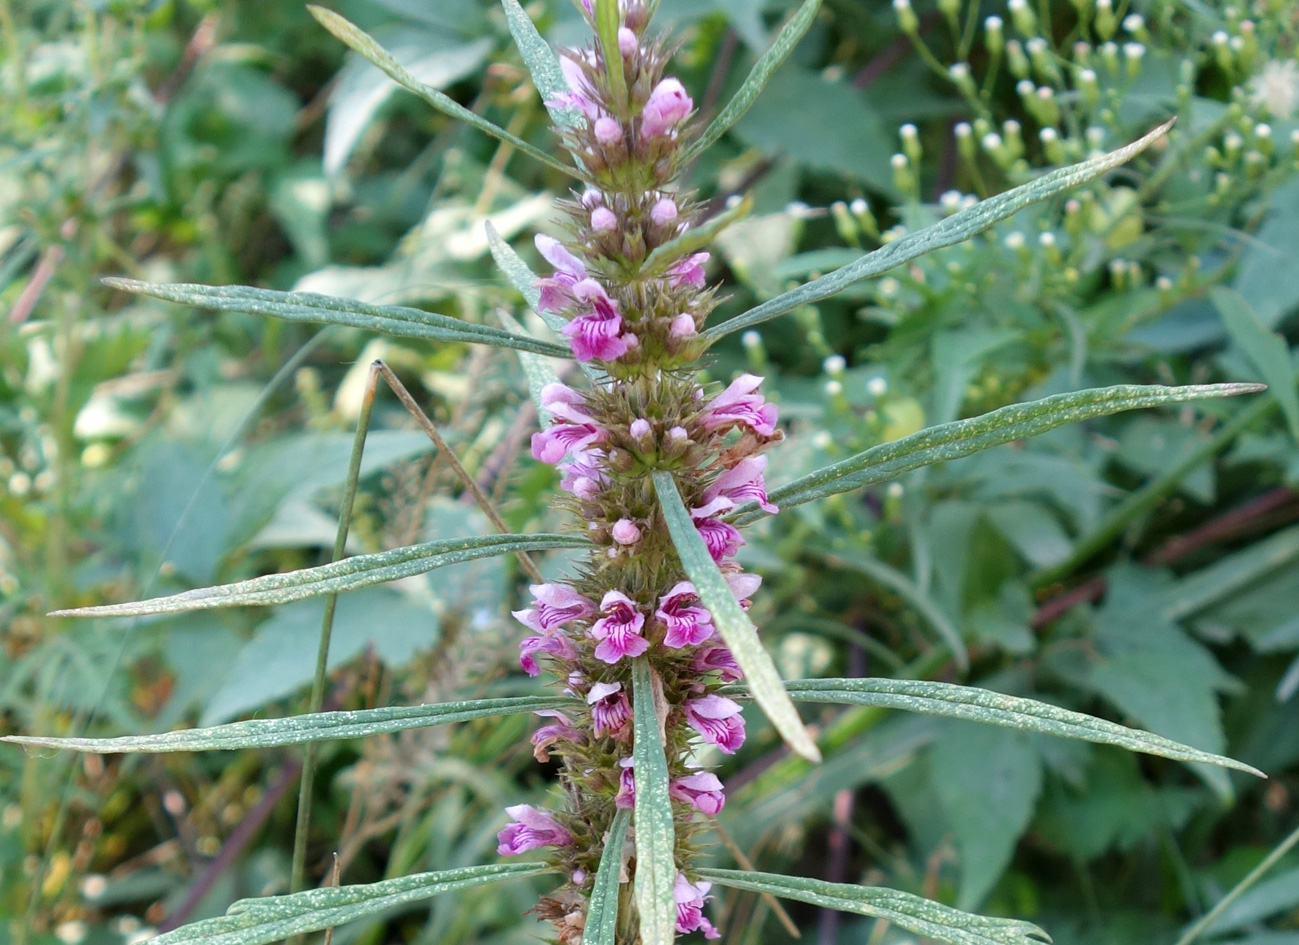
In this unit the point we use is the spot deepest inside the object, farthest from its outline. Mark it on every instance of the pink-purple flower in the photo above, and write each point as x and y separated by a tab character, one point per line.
741	483
716	659
532	829
701	790
557	290
688	271
722	538
619	630
687	623
572	429
667	106
738	405
718	720
597	335
690	898
626	796
553	605
560	730
610	711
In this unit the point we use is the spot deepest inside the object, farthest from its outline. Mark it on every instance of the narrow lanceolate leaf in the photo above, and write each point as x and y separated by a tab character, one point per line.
994	708
757	79
656	865
602	910
309	307
737	631
542	63
931	920
695	238
964	437
256	921
365	44
345	575
298	729
537	370
607	20
954	229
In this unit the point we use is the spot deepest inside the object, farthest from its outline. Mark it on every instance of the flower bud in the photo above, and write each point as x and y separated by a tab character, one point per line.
1021	14
1016	61
667	106
910	142
993	35
625	532
683	326
603	220
1105	22
664	211
626	42
607	131
907	21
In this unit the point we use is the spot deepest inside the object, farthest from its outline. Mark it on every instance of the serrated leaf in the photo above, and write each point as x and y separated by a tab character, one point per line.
963	437
356	38
987	784
298	729
1266	350
994	708
921	916
258	921
694	238
732	623
345	575
947	232
905	588
656	866
309	307
757	78
542	63
602	910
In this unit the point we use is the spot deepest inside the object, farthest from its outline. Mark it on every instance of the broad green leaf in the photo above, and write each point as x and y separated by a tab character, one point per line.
656	865
308	307
994	708
542	62
1266	275
963	437
905	588
695	238
602	911
345	575
987	784
954	229
357	39
758	77
923	917
734	625
258	921
297	729
1266	350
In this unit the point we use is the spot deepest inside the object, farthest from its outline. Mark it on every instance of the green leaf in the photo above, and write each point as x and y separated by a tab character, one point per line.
987	784
357	39
954	229
345	575
963	437
994	708
1266	275
602	909
904	587
737	631
1266	350
921	916
757	79
297	729
309	307
694	238
258	921
539	371
542	63
656	865
607	21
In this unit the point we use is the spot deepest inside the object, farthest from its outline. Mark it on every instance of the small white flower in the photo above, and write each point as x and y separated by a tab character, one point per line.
1276	88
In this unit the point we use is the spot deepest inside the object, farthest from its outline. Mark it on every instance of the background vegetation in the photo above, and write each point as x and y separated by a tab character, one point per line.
1141	567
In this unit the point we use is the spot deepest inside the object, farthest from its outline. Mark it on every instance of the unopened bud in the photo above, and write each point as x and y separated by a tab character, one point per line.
1105	23
1016	61
994	36
625	532
907	21
1088	87
1021	14
683	326
1051	146
626	42
960	73
607	131
877	387
1110	56
903	179
664	211
1010	131
1133	53
965	140
603	220
834	365
639	429
1135	26
1050	248
910	142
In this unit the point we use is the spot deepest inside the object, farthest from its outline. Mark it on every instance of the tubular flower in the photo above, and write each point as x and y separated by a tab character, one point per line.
610	712
619	630
718	720
701	790
531	829
690	899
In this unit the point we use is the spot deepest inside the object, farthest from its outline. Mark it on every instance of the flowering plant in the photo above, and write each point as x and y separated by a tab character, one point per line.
649	641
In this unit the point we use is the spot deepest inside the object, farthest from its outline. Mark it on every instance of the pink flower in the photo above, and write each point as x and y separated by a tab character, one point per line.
583	476
625	532
701	790
596	335
688	624
553	605
689	271
603	220
547	735
737	485
743	586
664	211
667	106
580	95
738	405
626	42
639	429
572	429
554	642
722	538
619	629
532	829
626	796
717	659
610	711
718	720
683	326
607	131
557	290
690	907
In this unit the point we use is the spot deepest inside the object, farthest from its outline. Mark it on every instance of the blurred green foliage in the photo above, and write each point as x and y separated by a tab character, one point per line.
1141	567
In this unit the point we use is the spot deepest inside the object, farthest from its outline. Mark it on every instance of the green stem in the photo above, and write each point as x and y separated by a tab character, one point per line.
326	629
1146	497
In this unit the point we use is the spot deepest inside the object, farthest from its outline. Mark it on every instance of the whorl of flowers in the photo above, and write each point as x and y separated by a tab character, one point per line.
641	327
